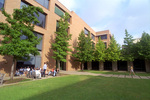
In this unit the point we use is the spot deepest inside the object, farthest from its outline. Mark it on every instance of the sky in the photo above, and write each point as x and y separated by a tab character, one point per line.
113	15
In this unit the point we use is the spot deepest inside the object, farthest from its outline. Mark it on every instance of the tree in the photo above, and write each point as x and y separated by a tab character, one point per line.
84	50
99	54
61	45
144	47
20	23
113	52
127	50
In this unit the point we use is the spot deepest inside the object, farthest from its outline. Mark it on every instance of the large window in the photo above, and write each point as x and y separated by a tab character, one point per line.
39	46
44	3
59	11
92	36
38	35
41	17
103	37
86	31
93	45
105	44
2	4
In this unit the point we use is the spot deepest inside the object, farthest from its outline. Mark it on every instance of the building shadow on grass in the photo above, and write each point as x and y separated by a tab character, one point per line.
69	92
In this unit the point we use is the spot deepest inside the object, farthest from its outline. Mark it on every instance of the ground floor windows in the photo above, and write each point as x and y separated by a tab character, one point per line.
122	65
139	65
34	62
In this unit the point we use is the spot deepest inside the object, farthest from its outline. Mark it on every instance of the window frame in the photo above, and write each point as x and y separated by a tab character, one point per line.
103	38
43	5
87	31
3	5
27	4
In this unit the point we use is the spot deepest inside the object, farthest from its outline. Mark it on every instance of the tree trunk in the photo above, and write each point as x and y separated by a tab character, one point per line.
89	65
147	65
58	63
101	65
114	65
12	70
82	66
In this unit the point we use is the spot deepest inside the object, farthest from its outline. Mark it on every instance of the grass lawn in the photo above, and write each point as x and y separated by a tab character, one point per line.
76	87
117	73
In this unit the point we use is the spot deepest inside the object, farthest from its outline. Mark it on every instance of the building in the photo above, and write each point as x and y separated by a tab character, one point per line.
53	9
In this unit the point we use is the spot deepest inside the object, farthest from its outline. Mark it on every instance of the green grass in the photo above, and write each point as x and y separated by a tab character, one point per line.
117	73
79	88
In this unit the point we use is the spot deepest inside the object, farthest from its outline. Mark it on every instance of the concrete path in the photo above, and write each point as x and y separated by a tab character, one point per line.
105	75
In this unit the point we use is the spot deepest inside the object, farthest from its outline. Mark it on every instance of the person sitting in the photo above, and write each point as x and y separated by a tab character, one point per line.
21	71
17	73
49	73
42	72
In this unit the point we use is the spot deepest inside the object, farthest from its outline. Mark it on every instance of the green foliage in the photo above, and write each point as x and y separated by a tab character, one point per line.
99	54
113	51
60	47
128	49
144	47
20	23
84	50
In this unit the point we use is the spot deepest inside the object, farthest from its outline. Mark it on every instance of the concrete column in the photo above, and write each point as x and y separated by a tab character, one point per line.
89	65
147	65
114	66
129	63
101	65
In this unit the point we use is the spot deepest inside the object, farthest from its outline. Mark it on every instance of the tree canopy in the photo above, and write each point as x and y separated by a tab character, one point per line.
99	54
84	50
113	50
20	23
61	45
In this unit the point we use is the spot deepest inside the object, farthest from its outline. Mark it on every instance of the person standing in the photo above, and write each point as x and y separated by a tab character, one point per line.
131	70
44	68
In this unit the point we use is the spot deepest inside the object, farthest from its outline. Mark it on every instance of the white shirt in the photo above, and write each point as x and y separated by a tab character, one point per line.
45	66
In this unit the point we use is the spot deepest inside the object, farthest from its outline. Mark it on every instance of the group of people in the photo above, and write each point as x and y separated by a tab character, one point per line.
36	72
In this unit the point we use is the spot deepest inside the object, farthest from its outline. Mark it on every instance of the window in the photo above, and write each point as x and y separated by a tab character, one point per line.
38	35
92	36
57	25
86	31
93	45
44	3
59	11
105	44
2	4
103	37
41	17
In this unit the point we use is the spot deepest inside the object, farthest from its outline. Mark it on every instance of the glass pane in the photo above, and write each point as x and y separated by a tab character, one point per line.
58	11
38	35
1	4
44	3
86	31
103	37
37	62
41	19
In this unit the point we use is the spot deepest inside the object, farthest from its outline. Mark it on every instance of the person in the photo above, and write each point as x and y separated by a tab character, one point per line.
131	70
28	71
17	73
21	71
44	68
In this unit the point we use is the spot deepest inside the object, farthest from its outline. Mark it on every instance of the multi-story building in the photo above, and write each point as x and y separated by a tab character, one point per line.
53	9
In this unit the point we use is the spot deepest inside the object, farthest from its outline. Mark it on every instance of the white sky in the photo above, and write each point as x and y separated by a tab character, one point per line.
115	15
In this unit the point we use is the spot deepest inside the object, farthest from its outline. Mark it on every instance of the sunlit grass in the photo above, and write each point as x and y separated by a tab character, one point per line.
78	87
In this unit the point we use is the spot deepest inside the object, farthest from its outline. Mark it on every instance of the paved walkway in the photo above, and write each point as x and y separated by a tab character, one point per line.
105	75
